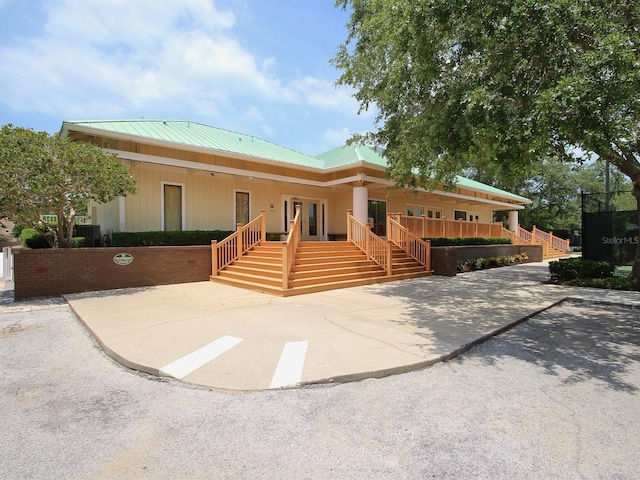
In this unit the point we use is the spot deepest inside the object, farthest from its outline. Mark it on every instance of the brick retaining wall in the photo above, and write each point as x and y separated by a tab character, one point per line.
47	272
445	259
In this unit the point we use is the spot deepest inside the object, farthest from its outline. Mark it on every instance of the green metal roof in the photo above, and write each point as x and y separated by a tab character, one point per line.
468	183
203	136
352	154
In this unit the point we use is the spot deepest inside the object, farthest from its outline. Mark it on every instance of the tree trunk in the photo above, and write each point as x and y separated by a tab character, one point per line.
64	231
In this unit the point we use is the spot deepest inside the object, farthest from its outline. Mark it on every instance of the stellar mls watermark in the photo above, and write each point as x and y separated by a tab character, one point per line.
620	240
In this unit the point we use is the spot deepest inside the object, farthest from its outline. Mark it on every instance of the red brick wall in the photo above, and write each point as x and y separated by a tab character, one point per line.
46	272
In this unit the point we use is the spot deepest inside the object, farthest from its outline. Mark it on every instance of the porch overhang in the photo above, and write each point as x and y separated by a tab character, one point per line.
350	181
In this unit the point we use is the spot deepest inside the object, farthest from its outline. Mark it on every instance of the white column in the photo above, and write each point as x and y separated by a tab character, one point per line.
361	204
513	220
121	218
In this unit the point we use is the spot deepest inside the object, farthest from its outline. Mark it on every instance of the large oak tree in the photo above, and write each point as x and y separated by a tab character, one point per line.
511	82
49	174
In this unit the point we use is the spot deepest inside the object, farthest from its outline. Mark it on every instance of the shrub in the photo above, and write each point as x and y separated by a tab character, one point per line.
578	268
491	262
480	263
459	241
31	238
17	229
77	242
186	237
615	283
4	239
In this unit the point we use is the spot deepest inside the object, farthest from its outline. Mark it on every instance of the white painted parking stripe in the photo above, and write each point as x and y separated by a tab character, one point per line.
289	369
189	363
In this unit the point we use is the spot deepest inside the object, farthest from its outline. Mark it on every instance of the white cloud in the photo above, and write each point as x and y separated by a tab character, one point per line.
173	59
323	94
336	137
132	54
139	23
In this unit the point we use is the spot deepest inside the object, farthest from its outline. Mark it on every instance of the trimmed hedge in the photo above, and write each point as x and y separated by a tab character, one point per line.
567	269
174	238
77	242
612	283
460	242
31	238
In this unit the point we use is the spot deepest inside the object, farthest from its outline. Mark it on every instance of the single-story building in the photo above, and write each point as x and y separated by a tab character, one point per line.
197	177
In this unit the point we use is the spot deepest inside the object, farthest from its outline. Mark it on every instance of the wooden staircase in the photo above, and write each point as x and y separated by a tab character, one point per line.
554	253
317	266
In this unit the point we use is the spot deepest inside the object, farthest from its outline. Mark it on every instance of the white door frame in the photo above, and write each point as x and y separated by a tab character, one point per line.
323	206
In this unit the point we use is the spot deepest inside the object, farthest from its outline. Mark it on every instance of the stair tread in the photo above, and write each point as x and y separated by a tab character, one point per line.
318	266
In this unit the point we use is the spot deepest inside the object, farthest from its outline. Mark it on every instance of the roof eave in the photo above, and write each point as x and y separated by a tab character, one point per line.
192	148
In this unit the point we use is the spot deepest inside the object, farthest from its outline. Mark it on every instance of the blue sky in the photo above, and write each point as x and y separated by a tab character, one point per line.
259	67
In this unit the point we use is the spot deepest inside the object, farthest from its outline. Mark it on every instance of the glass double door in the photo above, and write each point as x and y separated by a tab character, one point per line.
377	211
312	218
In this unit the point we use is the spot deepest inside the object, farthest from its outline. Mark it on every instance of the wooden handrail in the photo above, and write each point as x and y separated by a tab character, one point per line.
423	227
551	240
238	243
290	247
372	245
533	239
560	243
412	245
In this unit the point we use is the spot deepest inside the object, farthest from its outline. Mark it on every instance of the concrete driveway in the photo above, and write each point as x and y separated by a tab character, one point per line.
229	338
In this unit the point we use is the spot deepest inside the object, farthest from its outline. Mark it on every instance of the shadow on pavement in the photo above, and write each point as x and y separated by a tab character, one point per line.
572	341
476	302
578	342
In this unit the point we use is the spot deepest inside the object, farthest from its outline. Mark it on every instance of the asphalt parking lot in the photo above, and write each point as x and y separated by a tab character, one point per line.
555	397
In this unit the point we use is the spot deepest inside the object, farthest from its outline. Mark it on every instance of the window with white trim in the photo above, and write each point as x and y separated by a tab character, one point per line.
172	206
415	210
459	215
243	214
434	212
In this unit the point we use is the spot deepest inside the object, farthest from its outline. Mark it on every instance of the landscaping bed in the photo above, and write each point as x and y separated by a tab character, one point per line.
592	273
445	260
473	264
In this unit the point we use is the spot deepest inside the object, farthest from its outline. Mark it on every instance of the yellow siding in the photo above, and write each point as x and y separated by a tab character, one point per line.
210	201
343	200
106	215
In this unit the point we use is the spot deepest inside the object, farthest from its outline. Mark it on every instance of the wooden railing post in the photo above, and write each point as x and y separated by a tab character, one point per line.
214	258
533	234
388	224
239	241
368	241
285	264
263	226
423	233
389	258
349	212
